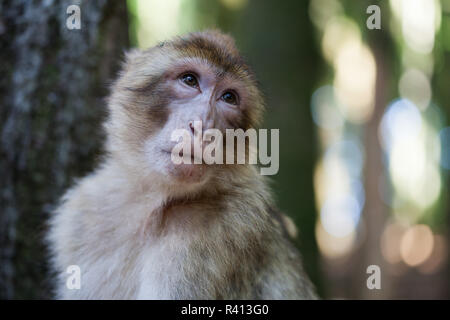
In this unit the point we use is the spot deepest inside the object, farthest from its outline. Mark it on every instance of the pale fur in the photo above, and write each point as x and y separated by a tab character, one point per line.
136	236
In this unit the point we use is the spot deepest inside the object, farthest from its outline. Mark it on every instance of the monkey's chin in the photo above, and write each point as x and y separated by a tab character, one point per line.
193	174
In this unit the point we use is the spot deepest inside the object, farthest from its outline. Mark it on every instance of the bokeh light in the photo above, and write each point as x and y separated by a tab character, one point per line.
331	246
153	24
415	144
321	11
324	109
401	122
340	215
338	31
405	135
355	80
390	242
419	24
416	245
415	86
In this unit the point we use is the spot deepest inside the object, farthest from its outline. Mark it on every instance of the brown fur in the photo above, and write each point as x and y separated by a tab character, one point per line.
136	235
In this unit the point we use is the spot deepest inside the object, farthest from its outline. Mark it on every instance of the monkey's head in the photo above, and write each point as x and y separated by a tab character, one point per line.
198	77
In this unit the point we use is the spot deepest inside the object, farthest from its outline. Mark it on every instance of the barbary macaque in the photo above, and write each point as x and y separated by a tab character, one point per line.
141	226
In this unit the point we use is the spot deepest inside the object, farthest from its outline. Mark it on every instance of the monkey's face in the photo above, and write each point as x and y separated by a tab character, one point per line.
190	85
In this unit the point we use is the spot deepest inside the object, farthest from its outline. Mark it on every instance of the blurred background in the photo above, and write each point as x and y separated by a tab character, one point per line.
363	119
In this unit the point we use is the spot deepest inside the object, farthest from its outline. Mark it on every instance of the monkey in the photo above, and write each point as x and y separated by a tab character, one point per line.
141	227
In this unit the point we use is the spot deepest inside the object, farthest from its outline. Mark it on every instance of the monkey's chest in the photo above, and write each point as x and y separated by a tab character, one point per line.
133	268
111	273
182	262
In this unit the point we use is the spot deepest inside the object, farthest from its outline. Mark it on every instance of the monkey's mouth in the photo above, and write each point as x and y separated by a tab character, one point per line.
190	160
186	170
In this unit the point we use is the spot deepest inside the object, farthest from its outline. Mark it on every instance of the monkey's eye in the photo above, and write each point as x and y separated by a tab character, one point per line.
190	80
230	97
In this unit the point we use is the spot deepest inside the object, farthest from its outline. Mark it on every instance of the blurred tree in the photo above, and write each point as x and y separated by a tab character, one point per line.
51	89
346	277
375	211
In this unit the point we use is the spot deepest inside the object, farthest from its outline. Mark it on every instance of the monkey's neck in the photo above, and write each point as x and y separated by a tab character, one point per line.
156	210
164	197
154	186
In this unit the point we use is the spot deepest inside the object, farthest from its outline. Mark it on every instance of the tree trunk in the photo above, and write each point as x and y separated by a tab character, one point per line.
52	85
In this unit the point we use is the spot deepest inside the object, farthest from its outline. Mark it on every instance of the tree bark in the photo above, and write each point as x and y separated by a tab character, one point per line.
51	96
